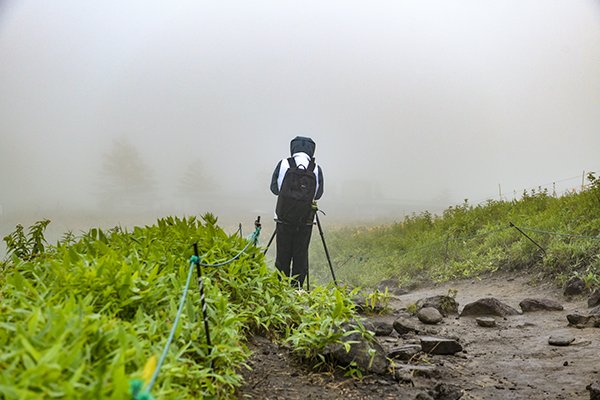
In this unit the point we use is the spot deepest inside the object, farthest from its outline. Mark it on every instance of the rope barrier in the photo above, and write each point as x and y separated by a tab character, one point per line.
138	392
252	239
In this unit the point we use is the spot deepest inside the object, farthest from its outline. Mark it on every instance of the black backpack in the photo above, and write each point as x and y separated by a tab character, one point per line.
294	203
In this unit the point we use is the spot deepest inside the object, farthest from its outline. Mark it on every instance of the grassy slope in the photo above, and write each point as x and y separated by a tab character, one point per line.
79	320
468	240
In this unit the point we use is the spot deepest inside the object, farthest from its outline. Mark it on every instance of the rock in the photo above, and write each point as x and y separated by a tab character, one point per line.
446	391
404	353
405	325
594	299
488	306
560	340
577	319
429	315
486	322
595	311
594	389
380	328
584	321
392	286
529	305
446	305
369	356
574	286
442	346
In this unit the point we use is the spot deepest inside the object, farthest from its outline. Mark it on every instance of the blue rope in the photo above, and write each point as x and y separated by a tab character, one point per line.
252	240
170	339
136	386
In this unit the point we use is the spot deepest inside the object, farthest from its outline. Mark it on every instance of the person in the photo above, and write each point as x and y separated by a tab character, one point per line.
297	182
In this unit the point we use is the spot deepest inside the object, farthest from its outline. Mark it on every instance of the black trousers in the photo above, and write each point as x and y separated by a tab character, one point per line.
292	251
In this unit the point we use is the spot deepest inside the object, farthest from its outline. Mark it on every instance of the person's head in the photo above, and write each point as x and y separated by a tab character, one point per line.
301	144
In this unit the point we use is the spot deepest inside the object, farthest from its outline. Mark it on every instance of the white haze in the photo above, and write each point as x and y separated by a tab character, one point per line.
413	105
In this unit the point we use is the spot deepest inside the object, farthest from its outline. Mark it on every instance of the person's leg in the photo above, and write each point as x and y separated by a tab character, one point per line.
284	240
300	253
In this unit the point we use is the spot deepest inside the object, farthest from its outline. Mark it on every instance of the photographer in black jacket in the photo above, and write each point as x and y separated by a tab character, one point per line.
298	182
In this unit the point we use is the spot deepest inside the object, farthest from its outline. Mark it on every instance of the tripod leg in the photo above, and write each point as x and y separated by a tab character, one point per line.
271	240
325	248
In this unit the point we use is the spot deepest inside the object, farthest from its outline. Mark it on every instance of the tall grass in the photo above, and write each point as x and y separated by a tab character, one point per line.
468	240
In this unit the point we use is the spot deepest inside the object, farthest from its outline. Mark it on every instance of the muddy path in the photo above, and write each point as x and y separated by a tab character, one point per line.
510	361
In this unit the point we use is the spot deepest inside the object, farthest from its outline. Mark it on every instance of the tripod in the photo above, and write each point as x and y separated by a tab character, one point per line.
324	248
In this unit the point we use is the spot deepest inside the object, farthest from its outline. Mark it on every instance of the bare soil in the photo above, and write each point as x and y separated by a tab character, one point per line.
510	361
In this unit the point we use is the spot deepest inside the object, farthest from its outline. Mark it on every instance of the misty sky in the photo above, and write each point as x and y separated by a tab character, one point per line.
418	104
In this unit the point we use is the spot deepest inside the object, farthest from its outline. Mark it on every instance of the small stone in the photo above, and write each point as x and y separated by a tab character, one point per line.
447	391
429	315
560	340
594	299
574	286
486	322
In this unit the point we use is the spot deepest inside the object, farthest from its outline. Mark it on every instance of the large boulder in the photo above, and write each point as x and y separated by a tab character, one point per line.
529	305
368	355
488	306
446	305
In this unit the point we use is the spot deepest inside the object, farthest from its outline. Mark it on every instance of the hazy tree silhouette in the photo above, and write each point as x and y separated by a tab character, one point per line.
196	182
126	179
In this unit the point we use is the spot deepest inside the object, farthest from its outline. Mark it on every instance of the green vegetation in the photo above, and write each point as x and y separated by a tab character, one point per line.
468	240
79	320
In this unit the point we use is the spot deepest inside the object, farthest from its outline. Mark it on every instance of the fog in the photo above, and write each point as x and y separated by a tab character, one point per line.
115	111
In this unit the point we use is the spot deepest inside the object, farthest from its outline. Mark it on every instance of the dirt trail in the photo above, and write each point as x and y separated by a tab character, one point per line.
511	361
